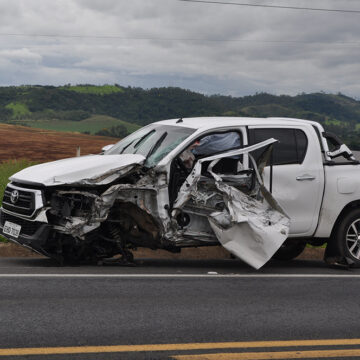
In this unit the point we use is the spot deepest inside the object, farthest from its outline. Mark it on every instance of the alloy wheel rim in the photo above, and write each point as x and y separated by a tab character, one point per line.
353	239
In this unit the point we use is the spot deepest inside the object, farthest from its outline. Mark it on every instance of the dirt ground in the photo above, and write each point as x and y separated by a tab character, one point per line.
213	252
21	142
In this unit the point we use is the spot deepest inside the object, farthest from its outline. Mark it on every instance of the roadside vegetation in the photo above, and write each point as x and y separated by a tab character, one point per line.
7	168
19	110
93	89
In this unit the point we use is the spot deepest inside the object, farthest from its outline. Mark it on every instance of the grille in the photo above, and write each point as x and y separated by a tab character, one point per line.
25	204
27	227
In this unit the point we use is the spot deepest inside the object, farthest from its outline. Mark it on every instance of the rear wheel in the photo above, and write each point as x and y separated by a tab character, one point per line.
347	237
290	249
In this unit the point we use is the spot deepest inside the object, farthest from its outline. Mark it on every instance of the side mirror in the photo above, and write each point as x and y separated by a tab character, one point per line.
107	147
340	149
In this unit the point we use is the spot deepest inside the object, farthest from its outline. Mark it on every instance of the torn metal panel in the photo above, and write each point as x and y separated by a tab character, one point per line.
108	176
142	196
251	227
75	211
189	188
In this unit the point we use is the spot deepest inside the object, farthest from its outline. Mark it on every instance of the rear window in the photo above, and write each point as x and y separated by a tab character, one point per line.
291	148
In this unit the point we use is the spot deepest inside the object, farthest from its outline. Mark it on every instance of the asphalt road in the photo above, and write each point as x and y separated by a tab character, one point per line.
43	306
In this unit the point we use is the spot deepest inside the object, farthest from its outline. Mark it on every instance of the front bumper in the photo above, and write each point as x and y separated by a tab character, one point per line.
33	234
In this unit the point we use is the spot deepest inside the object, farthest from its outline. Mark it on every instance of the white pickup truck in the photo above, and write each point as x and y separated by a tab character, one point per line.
266	193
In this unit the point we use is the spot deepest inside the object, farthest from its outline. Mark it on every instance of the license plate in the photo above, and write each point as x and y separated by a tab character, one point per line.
11	229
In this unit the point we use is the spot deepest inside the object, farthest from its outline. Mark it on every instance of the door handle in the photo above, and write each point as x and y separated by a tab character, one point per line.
305	177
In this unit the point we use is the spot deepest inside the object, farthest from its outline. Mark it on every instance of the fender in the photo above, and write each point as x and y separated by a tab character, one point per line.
342	192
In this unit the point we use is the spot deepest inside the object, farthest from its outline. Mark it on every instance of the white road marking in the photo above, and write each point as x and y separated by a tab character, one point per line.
169	276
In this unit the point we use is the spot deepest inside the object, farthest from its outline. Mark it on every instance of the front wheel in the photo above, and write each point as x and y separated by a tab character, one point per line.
347	237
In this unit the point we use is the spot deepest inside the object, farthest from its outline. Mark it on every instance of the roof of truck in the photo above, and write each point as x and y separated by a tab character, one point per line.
215	122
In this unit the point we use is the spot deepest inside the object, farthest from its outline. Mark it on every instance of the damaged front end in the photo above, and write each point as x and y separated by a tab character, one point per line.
77	218
106	224
83	219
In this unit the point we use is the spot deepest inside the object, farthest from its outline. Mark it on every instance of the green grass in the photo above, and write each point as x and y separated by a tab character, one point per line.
8	168
92	124
334	122
93	89
18	109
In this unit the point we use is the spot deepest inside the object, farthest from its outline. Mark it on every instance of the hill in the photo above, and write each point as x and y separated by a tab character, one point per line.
92	125
92	108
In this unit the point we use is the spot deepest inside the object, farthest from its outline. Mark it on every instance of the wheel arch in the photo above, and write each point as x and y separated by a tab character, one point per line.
346	210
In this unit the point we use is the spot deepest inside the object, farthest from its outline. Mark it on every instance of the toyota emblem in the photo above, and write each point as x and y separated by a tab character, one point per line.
14	196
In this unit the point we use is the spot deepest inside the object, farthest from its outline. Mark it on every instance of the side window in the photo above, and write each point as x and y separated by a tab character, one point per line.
291	148
216	143
212	144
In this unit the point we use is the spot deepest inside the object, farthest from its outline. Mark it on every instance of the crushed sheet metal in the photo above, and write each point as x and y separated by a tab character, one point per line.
107	177
84	170
141	194
248	228
251	229
189	188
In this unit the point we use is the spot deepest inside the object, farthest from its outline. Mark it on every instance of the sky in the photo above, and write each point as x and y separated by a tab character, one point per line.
209	48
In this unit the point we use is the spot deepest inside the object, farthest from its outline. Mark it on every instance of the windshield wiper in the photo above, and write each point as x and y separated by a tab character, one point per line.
142	138
137	143
156	145
126	146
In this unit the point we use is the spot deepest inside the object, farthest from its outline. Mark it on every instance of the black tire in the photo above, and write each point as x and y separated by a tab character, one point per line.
290	249
346	240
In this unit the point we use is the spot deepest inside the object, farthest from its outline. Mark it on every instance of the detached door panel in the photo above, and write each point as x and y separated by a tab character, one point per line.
298	176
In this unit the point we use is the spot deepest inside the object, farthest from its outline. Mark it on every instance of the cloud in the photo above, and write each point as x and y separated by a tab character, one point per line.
20	56
172	43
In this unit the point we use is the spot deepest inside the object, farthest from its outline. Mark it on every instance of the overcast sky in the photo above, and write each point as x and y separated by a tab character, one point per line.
155	43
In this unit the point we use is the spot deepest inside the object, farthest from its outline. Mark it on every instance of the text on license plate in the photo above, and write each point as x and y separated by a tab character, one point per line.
11	229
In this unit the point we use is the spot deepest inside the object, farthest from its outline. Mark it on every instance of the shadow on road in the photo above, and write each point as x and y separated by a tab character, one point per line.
173	266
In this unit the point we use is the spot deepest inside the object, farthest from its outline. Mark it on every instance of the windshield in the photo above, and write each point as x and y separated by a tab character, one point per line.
153	141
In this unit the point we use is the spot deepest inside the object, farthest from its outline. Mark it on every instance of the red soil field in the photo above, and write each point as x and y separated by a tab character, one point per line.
21	142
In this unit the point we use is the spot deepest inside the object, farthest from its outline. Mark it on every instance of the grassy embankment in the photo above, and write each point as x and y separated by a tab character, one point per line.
7	168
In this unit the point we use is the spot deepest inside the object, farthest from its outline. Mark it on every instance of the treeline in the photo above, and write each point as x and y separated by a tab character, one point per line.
338	113
118	131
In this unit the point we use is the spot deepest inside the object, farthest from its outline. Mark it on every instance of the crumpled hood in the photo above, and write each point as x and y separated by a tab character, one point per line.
83	170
